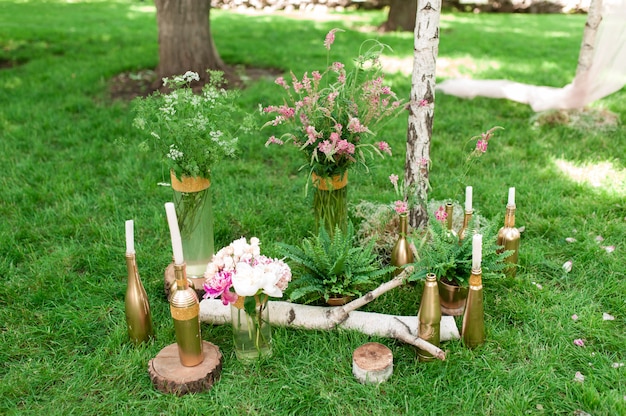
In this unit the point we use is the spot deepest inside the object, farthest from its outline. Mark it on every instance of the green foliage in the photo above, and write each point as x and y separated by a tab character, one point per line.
325	266
443	253
192	132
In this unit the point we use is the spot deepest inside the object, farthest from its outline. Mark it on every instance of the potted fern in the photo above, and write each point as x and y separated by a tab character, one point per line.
449	257
332	269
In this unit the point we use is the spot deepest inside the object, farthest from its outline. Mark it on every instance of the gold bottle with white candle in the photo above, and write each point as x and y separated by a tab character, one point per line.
509	236
136	305
185	310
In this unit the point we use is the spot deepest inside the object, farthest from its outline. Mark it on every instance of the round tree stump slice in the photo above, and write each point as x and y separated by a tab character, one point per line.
372	363
170	376
169	279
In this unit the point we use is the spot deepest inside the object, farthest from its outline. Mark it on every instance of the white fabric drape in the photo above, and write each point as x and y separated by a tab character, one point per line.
606	75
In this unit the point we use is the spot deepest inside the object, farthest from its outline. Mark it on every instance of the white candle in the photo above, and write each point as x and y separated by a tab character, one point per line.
477	251
511	196
130	237
177	243
468	199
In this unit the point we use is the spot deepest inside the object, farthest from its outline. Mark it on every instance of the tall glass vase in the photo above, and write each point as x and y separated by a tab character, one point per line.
330	202
194	210
252	332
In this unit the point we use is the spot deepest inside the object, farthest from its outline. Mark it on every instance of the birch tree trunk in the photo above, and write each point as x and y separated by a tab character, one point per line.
422	106
587	48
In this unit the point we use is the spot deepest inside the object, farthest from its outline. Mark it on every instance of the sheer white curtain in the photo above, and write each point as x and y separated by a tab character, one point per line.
606	75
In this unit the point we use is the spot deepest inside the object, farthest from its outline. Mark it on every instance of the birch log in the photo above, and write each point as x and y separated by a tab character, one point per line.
403	328
422	106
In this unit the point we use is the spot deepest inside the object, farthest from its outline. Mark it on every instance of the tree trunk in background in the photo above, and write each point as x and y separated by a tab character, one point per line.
185	41
402	15
422	106
587	49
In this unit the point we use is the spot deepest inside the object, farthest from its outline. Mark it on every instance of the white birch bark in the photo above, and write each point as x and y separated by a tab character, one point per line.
587	48
422	106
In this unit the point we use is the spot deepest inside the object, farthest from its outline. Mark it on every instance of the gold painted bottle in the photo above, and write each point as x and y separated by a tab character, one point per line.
473	327
450	217
136	305
466	220
185	309
509	238
429	317
401	253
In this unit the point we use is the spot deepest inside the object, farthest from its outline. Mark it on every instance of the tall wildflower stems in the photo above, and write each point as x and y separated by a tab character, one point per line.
334	116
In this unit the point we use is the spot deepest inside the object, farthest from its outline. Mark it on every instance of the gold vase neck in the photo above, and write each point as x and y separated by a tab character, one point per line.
509	217
404	225
449	214
466	220
180	274
431	277
131	265
476	277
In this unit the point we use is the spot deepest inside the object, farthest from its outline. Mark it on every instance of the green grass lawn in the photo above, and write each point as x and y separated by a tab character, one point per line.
73	173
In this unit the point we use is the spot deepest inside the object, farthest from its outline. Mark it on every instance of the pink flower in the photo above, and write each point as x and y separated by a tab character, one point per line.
579	342
441	214
286	111
337	66
281	81
219	285
312	134
384	147
401	207
330	38
316	75
481	145
355	126
393	178
423	103
575	317
344	147
274	140
325	147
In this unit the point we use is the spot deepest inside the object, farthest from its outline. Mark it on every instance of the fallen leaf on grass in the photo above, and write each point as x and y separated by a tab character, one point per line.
609	249
570	240
579	377
599	238
575	317
607	317
538	285
579	342
617	365
567	266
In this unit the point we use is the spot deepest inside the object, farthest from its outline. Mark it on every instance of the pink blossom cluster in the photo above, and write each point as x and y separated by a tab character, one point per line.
241	266
441	214
331	118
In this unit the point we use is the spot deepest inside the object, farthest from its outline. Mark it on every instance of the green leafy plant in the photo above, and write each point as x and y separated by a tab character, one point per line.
191	131
326	266
443	253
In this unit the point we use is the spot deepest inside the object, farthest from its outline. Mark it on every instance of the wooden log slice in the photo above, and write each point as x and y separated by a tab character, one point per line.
372	363
168	375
